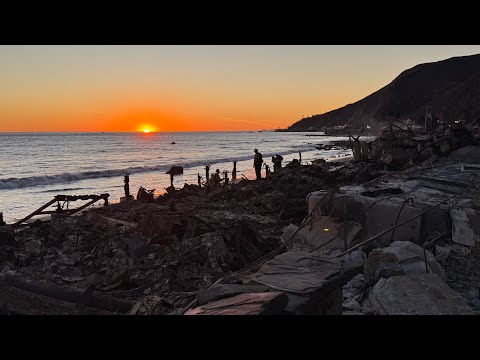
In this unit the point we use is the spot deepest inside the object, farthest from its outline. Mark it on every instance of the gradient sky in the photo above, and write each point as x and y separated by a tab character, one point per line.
193	88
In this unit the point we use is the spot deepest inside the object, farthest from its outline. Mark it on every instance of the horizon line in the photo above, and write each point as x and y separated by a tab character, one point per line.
126	132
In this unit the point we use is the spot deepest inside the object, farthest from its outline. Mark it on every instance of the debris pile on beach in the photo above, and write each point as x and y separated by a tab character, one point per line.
350	237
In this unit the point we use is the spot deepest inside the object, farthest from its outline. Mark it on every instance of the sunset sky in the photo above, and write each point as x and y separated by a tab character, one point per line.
193	88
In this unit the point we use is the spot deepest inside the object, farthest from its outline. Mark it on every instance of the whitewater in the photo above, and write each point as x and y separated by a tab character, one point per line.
36	166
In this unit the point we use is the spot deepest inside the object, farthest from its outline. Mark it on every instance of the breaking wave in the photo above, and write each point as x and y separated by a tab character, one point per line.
16	183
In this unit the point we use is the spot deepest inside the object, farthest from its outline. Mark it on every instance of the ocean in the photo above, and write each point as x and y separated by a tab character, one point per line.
37	166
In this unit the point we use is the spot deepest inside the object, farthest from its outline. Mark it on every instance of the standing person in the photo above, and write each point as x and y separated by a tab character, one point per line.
257	163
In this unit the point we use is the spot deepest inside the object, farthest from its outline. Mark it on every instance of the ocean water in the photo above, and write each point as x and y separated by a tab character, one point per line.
37	166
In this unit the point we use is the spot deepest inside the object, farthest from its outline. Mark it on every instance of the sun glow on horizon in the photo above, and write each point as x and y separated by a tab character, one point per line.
146	128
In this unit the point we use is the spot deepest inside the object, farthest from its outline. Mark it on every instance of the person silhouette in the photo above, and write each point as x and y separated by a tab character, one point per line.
257	163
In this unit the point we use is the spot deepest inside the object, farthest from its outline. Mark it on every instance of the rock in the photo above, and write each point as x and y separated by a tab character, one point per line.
459	249
352	305
422	294
441	252
357	281
147	291
401	257
151	256
389	270
353	292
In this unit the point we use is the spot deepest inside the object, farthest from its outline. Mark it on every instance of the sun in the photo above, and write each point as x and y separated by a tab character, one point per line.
146	128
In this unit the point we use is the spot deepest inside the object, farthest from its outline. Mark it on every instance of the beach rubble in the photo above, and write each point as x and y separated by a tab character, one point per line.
374	236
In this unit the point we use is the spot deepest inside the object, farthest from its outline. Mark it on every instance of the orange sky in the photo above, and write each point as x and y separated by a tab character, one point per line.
192	88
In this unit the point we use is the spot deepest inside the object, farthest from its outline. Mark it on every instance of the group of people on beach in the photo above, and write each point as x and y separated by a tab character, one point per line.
216	179
258	162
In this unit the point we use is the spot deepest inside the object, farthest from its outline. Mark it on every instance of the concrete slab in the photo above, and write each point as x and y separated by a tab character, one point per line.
384	215
324	228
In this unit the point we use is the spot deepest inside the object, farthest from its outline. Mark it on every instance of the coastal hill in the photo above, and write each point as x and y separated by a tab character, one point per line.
450	87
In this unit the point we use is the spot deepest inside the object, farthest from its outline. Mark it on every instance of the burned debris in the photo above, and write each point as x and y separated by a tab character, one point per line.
394	230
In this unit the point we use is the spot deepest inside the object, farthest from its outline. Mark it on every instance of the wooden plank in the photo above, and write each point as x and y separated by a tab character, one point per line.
267	303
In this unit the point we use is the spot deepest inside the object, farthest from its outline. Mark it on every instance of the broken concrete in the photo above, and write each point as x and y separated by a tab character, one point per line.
422	294
462	233
312	282
400	258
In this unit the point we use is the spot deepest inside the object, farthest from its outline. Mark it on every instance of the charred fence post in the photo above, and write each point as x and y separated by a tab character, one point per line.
207	174
126	180
365	151
234	172
199	178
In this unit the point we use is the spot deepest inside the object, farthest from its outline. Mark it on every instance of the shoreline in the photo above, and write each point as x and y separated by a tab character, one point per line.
114	184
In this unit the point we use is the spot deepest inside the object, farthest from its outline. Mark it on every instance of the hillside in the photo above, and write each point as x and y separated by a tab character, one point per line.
450	86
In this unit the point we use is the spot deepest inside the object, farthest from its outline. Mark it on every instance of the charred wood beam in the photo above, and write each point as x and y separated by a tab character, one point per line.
99	301
22	302
36	212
